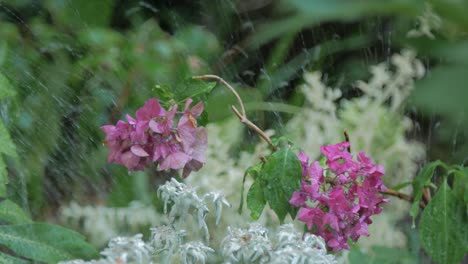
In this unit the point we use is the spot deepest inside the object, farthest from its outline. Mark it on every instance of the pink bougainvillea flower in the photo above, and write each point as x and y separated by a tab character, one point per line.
339	208
153	137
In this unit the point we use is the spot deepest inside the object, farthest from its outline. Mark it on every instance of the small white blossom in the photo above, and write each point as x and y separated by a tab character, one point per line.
194	252
185	201
252	245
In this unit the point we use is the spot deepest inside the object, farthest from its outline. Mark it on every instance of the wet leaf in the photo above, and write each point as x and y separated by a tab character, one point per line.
256	199
6	144
45	242
11	213
252	171
282	174
192	88
422	180
442	226
6	90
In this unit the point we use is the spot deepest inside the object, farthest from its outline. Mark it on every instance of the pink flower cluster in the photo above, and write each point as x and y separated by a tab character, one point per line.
336	201
153	137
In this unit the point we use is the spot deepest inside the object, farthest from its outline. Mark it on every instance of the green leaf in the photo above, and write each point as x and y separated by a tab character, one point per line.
256	199
401	185
253	171
443	227
11	213
3	53
282	174
4	258
163	93
3	178
81	14
6	144
422	180
45	242
192	88
6	90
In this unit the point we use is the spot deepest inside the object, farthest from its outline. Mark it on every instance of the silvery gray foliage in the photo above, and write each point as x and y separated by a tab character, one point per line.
166	238
247	245
194	252
185	201
252	245
128	250
292	247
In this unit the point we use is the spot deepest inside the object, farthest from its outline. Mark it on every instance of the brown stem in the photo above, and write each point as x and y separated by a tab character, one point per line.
400	195
345	133
426	195
240	114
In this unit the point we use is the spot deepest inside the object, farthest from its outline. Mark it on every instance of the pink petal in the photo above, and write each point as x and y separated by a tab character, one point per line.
197	109
174	161
156	127
139	151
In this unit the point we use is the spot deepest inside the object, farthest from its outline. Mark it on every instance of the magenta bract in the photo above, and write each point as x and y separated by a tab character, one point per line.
340	207
154	137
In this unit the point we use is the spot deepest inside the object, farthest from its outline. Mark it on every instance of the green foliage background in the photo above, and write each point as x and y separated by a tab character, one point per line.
68	67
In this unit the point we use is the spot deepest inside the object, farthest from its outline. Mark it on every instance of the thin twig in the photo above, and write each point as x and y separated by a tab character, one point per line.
426	195
243	118
240	114
345	133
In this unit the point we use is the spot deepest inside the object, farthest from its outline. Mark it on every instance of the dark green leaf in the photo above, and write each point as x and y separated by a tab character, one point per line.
253	171
3	53
422	180
6	144
4	258
3	178
81	14
282	174
45	242
256	199
401	185
11	213
163	93
192	88
443	227
6	90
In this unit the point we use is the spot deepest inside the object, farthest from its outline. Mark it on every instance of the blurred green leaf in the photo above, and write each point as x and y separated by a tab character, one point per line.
401	185
6	144
381	255
441	228
443	91
4	258
192	88
45	242
422	180
313	12
3	178
6	90
3	53
11	213
81	14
